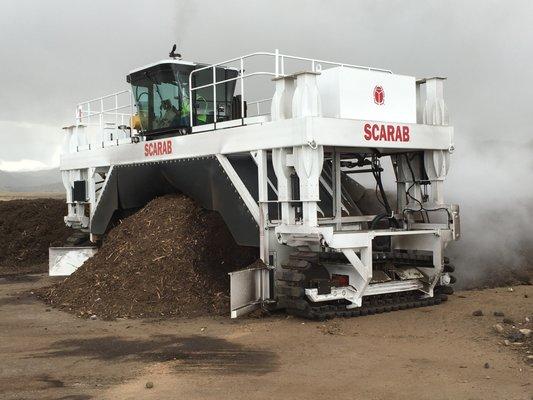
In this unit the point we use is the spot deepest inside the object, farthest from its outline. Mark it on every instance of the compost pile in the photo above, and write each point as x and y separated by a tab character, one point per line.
27	229
169	259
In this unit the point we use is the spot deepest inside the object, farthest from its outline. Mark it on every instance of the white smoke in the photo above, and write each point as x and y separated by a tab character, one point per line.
491	182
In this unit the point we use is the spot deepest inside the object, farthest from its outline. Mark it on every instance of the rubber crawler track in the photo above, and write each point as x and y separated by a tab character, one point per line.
291	295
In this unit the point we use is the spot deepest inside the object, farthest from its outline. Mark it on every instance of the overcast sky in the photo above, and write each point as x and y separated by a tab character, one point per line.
55	53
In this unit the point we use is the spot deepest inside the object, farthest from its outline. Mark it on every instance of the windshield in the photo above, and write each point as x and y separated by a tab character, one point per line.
161	94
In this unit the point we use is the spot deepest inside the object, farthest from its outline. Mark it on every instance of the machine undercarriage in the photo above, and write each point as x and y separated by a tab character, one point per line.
305	270
347	213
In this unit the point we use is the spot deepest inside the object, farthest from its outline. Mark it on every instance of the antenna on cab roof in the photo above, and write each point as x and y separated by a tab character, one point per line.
173	53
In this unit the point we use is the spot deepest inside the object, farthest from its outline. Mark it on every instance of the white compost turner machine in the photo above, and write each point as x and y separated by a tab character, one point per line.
335	172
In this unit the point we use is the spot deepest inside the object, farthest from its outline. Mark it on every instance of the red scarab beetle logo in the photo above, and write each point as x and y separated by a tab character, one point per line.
379	95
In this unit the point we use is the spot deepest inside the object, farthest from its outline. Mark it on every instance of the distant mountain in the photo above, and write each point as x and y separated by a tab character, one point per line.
47	180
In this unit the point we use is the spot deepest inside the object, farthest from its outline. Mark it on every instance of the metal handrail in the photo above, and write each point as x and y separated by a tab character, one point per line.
316	61
232	79
93	113
277	54
279	68
107	112
258	53
84	112
105	97
257	103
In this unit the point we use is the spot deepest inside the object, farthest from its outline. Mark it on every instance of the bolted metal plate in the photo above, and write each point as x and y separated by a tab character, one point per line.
63	261
379	276
408	273
248	288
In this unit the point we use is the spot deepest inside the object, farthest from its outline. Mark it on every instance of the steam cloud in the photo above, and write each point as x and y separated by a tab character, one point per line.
491	182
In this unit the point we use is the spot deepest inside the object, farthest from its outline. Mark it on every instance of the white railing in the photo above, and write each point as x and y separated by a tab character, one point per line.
316	65
103	121
257	105
112	110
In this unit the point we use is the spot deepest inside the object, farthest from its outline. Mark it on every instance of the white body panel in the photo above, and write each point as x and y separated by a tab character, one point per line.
246	297
63	261
349	93
270	135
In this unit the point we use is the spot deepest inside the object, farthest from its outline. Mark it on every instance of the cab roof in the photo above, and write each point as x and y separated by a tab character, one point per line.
167	61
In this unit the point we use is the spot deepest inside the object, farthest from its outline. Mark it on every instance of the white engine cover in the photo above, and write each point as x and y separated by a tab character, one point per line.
367	95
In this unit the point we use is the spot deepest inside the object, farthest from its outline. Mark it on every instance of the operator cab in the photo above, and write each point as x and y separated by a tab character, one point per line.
161	94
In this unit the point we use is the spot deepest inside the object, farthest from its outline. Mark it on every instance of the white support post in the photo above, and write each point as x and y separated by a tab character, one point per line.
214	98
435	110
281	104
270	184
242	91
438	249
102	121
191	98
283	174
412	188
276	60
262	177
363	270
91	190
437	164
437	192
401	196
401	186
337	188
67	184
419	103
116	110
415	193
306	99
308	162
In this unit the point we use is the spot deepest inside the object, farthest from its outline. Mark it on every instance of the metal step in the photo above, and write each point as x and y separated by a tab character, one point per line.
393	287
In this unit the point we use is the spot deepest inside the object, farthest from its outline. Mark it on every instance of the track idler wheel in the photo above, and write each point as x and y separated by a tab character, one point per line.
446	290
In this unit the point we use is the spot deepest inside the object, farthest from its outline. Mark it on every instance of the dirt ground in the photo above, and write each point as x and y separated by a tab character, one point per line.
426	353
